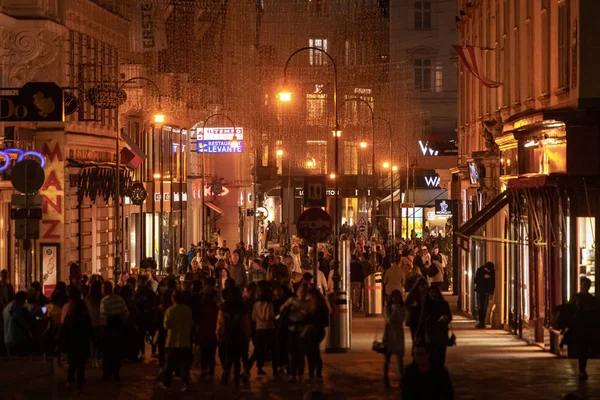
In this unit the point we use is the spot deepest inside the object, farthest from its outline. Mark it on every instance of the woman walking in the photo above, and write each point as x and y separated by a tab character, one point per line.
298	310
435	321
76	336
264	335
313	333
393	336
92	302
414	306
233	331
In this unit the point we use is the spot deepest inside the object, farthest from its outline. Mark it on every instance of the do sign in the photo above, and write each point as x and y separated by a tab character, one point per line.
314	225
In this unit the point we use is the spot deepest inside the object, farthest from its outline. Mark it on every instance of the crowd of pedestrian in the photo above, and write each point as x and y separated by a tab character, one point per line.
214	309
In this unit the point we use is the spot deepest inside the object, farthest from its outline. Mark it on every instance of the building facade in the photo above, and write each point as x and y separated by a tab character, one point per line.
112	60
297	135
526	182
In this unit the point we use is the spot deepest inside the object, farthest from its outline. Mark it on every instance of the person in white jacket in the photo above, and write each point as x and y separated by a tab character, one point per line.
393	279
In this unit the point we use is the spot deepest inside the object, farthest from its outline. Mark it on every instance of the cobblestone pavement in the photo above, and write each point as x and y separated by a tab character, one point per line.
488	365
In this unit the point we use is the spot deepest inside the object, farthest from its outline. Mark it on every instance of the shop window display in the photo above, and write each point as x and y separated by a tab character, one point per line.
586	259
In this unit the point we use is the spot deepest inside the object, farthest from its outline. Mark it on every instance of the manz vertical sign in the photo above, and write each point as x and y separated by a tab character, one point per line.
52	224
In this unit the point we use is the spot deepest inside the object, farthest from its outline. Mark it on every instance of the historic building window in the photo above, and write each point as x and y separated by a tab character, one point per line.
350	158
356	112
422	14
563	44
545	18
438	77
423	74
316	109
317	57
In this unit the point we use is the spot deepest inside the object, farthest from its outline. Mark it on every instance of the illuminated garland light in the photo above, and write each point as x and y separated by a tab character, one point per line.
21	155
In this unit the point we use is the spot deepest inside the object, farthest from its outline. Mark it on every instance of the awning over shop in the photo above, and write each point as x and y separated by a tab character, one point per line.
464	232
397	197
213	206
426	197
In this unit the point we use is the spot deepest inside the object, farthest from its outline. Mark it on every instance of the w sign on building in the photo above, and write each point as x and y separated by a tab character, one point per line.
432	181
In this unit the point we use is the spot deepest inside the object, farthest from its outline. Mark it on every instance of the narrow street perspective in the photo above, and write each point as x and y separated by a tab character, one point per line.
299	199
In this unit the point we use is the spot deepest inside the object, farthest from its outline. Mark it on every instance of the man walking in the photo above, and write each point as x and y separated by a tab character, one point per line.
17	333
237	271
392	280
485	283
584	328
178	323
113	313
356	278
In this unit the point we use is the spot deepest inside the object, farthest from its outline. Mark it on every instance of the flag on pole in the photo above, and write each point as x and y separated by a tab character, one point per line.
471	59
133	157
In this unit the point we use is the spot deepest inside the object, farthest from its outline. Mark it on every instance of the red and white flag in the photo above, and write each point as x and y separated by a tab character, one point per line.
471	58
133	157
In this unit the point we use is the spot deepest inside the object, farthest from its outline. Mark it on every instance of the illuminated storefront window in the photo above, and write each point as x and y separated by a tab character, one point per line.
414	220
586	260
509	162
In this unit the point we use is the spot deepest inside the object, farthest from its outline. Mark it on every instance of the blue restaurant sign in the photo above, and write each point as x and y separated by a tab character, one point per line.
220	140
220	146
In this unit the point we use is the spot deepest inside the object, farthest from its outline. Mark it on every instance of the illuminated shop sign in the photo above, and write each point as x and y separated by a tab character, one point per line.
167	196
432	181
426	150
220	140
443	207
362	91
220	146
21	154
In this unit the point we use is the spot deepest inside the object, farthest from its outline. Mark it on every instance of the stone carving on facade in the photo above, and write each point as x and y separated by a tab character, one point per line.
28	53
492	129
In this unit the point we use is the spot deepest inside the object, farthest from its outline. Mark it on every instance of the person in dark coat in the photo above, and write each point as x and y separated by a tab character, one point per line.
435	320
393	337
414	306
425	380
584	327
76	336
485	284
182	263
206	333
313	333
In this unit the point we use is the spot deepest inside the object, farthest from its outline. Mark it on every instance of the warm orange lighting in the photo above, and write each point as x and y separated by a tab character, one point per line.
336	133
395	168
363	145
285	96
310	163
234	142
279	153
386	165
156	176
159	118
331	176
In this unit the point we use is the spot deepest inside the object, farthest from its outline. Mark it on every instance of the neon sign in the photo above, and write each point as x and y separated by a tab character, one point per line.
220	146
426	150
432	181
21	155
220	140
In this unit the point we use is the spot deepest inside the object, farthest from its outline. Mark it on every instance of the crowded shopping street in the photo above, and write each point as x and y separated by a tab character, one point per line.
299	199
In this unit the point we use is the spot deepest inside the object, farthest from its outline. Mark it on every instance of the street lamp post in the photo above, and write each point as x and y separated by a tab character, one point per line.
289	200
158	118
391	161
372	119
286	96
233	143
